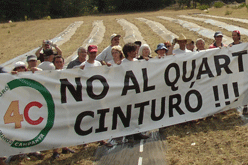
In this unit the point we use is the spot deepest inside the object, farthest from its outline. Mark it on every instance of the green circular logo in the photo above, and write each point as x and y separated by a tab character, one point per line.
50	105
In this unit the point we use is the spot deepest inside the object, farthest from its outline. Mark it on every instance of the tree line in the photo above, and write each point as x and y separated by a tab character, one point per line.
18	10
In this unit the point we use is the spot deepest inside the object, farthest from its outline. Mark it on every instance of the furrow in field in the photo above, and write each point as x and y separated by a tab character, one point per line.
132	32
95	38
233	19
220	24
159	29
208	33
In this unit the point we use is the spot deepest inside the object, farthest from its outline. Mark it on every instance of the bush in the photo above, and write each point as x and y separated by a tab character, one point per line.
228	12
203	7
47	17
218	4
242	5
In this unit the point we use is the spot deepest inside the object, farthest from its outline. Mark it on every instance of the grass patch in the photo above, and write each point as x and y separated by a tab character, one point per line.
217	140
228	12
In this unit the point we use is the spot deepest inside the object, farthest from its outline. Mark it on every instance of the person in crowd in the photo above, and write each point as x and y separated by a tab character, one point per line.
139	43
32	63
161	50
58	62
236	38
19	66
200	44
82	53
47	44
182	41
130	51
117	55
190	46
218	40
105	55
48	58
144	52
91	62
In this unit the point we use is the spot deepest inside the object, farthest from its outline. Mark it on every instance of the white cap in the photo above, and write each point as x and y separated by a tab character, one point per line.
19	63
114	35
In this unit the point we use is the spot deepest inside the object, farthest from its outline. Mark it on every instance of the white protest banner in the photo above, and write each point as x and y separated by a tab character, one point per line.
53	109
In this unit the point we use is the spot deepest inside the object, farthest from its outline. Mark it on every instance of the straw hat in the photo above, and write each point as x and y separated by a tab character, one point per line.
183	38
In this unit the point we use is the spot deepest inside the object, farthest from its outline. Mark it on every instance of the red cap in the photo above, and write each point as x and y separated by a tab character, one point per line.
92	48
237	31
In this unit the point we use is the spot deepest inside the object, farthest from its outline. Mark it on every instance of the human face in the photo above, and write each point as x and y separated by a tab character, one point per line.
58	63
182	43
47	46
218	39
132	55
116	54
235	36
82	55
200	45
145	52
20	69
32	63
115	41
92	55
190	46
161	52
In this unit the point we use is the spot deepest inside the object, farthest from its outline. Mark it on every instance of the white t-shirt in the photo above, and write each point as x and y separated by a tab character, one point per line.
126	60
112	62
87	65
46	65
179	51
105	55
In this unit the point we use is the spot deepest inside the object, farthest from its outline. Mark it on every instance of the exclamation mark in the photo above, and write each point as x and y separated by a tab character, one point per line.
216	95
226	94
236	90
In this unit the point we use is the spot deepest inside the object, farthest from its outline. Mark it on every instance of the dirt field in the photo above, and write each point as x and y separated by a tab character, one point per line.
221	139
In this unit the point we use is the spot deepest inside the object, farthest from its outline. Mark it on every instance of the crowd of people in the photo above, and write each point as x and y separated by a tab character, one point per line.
50	56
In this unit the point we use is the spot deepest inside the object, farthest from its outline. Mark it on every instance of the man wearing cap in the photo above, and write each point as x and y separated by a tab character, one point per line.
32	63
236	38
105	55
46	44
91	62
82	53
48	58
218	40
182	41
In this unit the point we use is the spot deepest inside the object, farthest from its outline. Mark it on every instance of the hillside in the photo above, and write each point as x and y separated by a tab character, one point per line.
220	139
